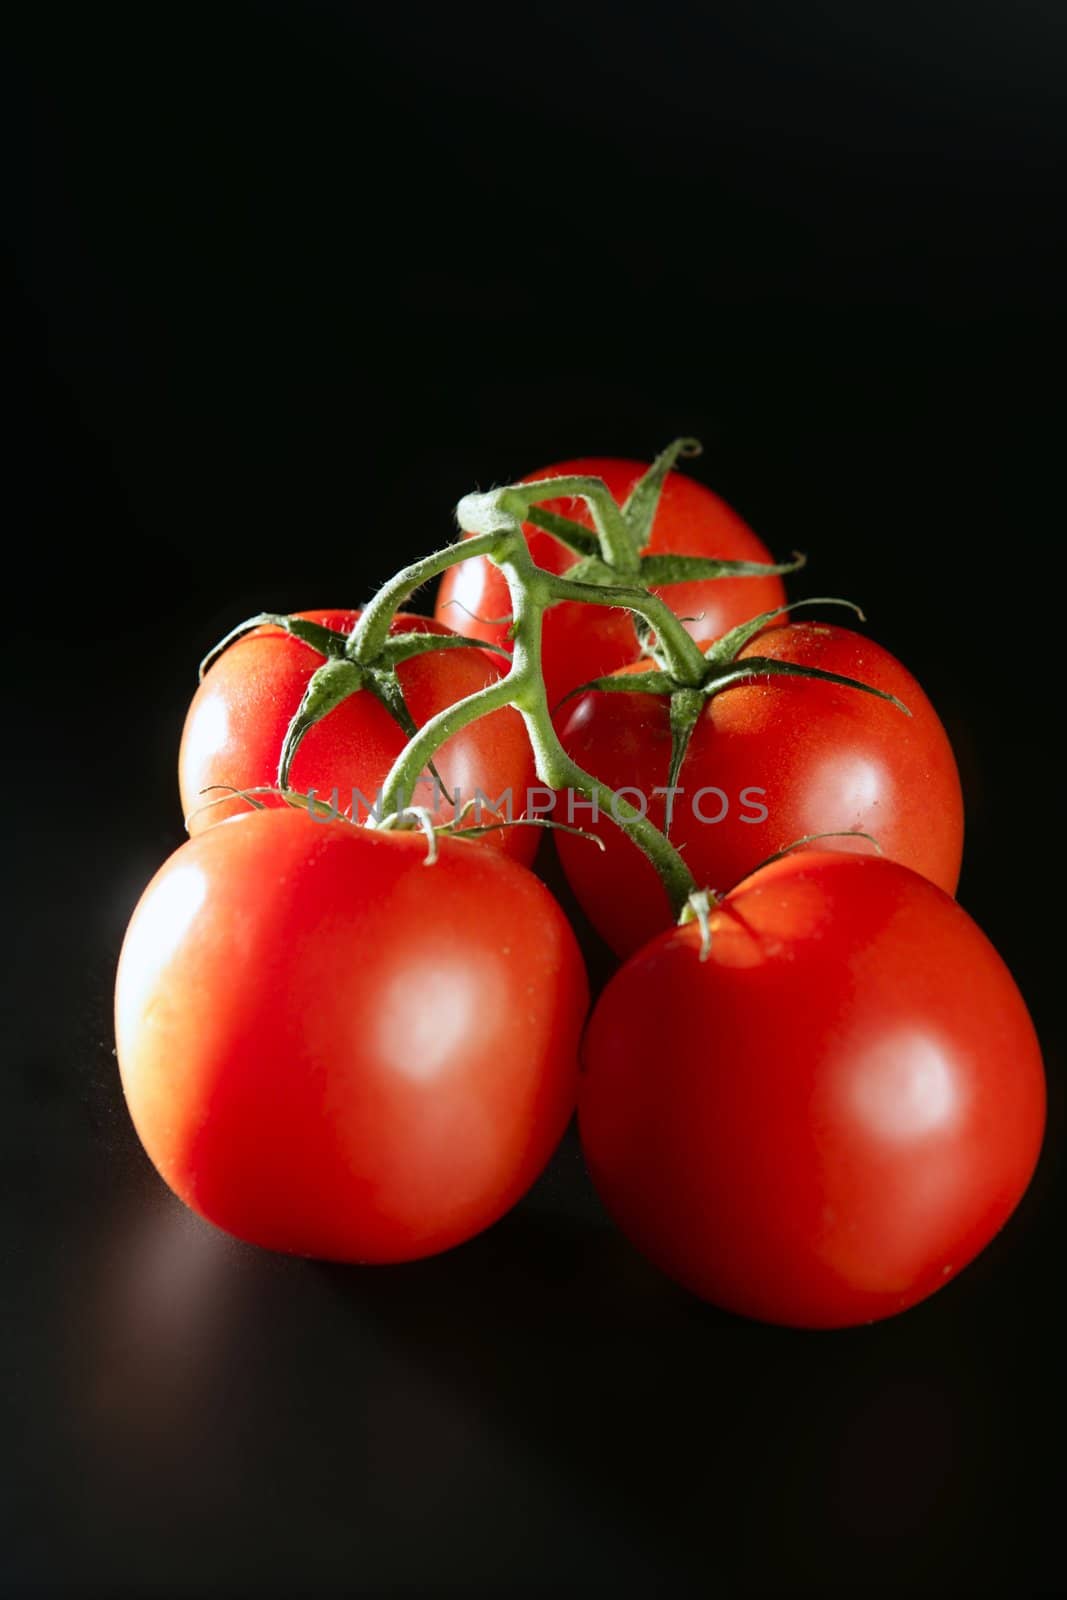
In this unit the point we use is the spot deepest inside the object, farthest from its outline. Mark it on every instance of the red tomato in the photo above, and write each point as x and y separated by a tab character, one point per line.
828	1118
237	723
331	1048
582	642
806	757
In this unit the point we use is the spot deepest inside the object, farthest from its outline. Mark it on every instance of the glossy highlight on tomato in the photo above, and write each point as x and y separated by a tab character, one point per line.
239	716
582	642
329	1047
774	761
823	1122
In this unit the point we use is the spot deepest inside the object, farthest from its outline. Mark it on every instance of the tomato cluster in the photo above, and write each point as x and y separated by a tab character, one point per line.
812	1099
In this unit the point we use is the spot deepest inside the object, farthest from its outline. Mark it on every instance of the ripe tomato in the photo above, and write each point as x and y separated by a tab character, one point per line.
238	718
331	1048
582	642
778	760
828	1118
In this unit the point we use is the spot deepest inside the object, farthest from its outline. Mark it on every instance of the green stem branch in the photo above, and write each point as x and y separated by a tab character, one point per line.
532	592
371	631
681	654
616	546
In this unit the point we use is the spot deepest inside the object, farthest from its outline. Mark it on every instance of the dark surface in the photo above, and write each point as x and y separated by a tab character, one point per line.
290	280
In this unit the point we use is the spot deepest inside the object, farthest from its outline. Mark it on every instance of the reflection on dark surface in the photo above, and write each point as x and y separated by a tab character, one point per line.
536	1405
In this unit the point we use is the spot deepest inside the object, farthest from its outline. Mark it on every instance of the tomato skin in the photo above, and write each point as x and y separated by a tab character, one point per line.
582	642
827	1119
330	1048
825	758
237	722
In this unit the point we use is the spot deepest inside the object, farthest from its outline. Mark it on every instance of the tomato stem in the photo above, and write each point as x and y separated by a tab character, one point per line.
368	637
505	509
498	535
677	649
617	546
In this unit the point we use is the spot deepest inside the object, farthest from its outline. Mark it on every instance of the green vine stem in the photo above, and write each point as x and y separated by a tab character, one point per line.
617	547
499	535
371	631
503	511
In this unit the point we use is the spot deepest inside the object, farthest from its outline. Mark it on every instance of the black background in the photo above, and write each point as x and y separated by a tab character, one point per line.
290	279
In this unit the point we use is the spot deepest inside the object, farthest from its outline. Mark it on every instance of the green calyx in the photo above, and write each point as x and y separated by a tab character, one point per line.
612	554
345	671
325	640
331	683
621	531
725	669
